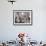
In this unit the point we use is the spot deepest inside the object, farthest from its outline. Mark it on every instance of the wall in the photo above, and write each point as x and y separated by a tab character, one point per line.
38	30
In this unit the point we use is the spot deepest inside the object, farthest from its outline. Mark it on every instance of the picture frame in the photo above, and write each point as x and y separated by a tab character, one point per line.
22	17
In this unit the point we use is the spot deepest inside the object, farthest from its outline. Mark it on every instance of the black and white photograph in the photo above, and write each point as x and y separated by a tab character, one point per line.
22	16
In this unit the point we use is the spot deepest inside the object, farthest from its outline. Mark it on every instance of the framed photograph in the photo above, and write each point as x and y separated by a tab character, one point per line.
22	17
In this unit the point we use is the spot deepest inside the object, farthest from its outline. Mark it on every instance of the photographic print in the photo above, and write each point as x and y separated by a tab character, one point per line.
22	16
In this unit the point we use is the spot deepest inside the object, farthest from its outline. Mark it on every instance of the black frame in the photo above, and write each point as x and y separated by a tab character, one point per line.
23	10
